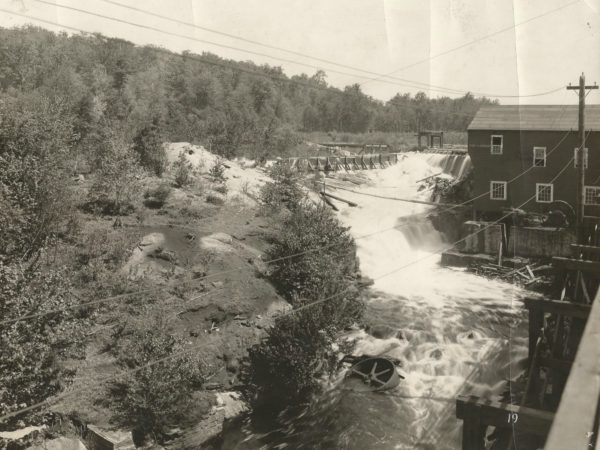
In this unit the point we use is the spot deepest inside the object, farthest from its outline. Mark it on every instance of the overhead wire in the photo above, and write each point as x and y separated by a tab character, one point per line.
304	55
463	203
288	312
151	28
204	41
466	44
279	259
200	60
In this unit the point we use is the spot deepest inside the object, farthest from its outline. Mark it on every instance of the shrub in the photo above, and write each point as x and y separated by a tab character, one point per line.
331	267
31	350
284	190
117	182
284	370
192	212
156	198
215	199
217	172
148	144
150	398
36	201
183	170
102	252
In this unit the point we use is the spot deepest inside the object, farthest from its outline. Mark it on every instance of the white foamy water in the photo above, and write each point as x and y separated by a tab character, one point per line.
454	333
453	328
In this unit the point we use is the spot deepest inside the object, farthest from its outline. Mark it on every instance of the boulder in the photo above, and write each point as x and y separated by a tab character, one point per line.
381	331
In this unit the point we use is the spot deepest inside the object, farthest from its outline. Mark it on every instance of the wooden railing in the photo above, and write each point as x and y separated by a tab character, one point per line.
564	339
575	425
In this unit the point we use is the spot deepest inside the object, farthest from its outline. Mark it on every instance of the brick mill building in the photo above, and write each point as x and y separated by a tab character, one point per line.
505	141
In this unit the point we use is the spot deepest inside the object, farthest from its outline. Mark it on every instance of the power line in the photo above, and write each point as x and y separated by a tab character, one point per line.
457	205
328	61
328	89
2	418
283	258
466	44
217	44
295	310
160	30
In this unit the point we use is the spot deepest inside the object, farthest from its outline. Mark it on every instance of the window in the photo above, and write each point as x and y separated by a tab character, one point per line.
592	195
544	193
498	190
496	144
576	159
539	156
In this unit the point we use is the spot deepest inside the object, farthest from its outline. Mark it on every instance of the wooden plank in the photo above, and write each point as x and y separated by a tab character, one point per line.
329	202
591	267
500	415
570	309
530	272
579	402
340	199
589	249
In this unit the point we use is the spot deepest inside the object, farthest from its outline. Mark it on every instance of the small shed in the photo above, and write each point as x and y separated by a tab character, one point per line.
433	139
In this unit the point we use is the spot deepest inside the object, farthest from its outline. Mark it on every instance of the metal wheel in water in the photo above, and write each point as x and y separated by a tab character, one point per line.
372	378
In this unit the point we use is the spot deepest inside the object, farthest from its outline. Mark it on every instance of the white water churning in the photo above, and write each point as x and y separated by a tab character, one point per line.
453	331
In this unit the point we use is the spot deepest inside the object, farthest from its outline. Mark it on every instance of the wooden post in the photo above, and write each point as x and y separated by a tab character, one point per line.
473	433
581	158
536	321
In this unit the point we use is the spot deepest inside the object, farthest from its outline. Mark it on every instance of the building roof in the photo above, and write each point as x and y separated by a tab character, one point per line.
534	117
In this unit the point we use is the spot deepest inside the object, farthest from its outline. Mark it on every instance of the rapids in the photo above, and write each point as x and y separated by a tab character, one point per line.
455	333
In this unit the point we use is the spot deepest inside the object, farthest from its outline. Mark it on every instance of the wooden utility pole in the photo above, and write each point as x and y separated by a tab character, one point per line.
581	158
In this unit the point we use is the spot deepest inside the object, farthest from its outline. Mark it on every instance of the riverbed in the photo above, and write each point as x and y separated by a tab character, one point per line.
454	332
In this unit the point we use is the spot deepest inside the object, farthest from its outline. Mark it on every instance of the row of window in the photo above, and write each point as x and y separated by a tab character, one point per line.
544	192
539	153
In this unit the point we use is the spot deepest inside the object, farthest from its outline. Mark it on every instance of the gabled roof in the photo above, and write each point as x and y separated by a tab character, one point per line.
534	117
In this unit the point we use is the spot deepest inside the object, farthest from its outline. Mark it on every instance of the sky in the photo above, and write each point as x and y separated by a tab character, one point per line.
505	49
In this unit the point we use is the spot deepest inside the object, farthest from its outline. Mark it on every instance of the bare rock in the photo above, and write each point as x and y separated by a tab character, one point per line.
61	443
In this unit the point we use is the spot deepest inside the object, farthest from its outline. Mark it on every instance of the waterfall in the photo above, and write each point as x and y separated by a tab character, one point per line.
454	332
454	165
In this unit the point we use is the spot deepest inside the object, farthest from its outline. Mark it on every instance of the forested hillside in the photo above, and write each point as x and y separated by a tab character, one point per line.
99	84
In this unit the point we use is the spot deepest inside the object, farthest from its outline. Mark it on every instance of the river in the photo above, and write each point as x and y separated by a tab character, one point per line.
454	332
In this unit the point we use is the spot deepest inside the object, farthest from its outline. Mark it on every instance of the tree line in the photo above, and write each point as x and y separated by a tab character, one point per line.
232	107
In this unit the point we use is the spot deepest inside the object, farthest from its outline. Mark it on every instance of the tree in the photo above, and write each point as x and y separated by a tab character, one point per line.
326	264
156	391
285	369
284	190
36	140
116	184
183	170
148	144
354	110
314	265
31	350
